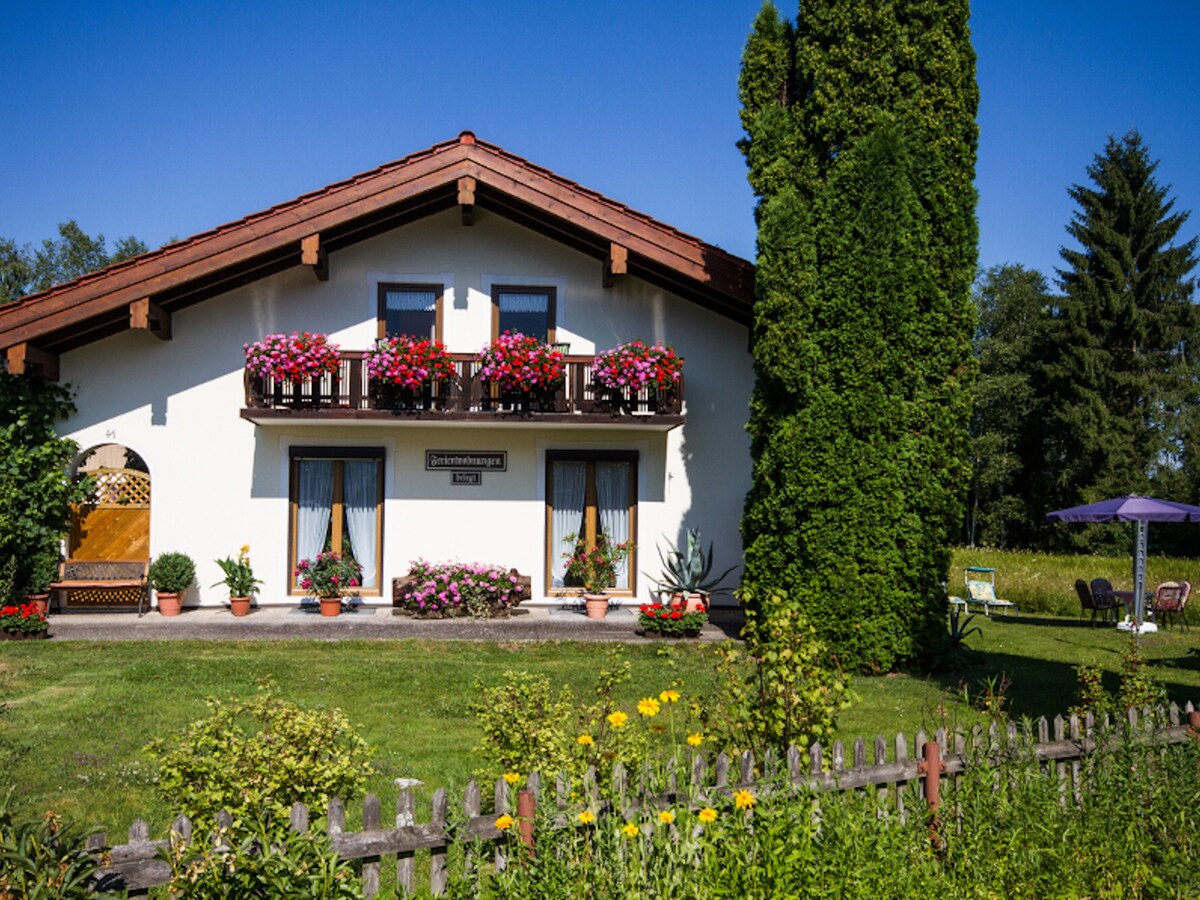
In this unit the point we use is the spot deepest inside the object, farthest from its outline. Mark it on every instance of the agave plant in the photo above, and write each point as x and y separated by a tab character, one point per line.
959	632
688	570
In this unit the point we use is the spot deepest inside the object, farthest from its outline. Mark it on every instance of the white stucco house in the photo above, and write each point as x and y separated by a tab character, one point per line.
459	242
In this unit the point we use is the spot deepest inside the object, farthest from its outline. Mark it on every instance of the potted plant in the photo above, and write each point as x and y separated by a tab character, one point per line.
43	571
170	575
594	569
625	370
686	574
239	578
24	622
521	367
295	357
403	370
329	577
663	621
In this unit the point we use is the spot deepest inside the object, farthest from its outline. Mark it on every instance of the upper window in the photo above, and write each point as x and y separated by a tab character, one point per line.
589	493
414	310
528	310
336	504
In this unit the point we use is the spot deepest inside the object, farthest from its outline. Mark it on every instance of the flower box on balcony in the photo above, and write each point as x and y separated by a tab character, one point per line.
408	373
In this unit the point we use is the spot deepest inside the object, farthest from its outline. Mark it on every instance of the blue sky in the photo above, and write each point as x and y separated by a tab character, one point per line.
163	119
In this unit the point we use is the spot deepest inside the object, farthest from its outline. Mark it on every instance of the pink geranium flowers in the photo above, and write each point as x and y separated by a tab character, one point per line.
296	357
637	365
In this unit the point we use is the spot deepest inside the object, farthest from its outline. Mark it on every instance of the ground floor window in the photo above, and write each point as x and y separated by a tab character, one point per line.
589	493
336	500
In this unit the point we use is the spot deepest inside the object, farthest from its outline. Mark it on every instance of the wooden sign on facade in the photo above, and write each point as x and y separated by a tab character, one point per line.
467	460
472	478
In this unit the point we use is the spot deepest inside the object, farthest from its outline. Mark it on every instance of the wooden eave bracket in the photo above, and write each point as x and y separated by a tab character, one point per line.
312	253
147	316
22	359
617	263
466	199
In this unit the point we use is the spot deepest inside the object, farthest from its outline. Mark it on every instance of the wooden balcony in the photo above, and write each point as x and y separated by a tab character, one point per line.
349	396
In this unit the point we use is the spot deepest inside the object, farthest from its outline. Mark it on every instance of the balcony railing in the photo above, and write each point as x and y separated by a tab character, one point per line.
348	393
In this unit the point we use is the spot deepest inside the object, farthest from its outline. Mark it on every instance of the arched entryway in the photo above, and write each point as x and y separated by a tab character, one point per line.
115	522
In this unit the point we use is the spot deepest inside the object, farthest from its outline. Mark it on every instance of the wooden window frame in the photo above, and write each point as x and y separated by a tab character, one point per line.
551	293
381	304
336	455
590	511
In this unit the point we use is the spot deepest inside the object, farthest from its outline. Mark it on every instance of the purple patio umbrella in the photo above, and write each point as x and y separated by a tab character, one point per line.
1132	509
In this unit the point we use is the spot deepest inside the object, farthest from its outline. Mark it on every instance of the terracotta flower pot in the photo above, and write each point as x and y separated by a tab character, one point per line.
168	604
40	601
239	606
331	606
694	602
597	605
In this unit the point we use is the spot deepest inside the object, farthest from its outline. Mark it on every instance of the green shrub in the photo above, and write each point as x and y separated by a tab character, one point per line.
172	573
260	864
256	757
790	696
47	858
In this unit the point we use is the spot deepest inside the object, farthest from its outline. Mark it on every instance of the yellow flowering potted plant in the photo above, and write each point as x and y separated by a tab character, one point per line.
239	578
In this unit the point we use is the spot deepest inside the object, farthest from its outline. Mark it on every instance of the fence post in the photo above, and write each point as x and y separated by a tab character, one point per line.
526	807
931	768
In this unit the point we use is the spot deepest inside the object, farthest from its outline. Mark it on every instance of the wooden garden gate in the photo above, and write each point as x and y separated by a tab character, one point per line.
114	525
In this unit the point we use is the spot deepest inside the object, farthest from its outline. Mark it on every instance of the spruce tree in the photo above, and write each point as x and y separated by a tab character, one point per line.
900	78
1013	305
1118	378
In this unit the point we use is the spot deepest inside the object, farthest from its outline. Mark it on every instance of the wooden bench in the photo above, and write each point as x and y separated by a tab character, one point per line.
97	581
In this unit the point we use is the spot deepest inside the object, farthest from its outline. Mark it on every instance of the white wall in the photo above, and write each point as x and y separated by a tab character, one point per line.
219	481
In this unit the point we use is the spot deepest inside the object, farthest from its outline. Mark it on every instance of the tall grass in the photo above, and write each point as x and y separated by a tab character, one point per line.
1045	583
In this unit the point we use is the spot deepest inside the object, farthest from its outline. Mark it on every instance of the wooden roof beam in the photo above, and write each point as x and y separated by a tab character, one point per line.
313	253
466	199
617	263
24	359
147	316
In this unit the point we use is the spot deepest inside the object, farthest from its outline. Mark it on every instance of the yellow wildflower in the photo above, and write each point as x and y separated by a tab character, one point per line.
245	549
630	830
695	739
585	739
505	822
512	777
648	707
666	817
669	696
617	719
743	799
587	817
708	815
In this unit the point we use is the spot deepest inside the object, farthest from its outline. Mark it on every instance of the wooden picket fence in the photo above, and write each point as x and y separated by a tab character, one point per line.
904	781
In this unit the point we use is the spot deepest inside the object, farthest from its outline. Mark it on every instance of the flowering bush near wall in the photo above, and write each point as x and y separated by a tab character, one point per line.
637	365
518	362
292	357
448	589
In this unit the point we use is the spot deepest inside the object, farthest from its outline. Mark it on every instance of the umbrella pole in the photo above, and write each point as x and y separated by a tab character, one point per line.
1139	575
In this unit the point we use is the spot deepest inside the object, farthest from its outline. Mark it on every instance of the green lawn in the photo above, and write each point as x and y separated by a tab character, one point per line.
75	715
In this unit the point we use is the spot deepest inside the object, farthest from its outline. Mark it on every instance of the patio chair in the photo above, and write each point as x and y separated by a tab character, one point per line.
982	592
1170	601
1097	602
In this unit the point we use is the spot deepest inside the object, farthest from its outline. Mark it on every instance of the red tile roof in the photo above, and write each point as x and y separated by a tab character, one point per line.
206	264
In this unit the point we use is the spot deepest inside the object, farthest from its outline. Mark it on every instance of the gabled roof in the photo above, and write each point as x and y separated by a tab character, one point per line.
465	172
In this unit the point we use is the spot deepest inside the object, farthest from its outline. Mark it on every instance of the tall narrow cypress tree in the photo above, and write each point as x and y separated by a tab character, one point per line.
904	74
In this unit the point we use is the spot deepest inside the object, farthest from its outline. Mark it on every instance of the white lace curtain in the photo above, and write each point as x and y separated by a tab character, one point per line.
570	486
612	500
524	303
411	301
359	496
314	506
